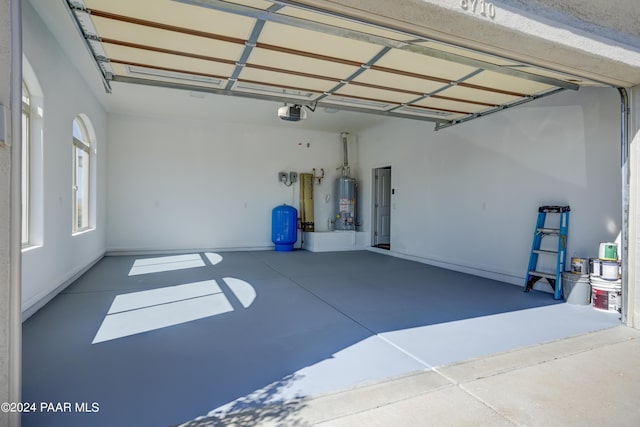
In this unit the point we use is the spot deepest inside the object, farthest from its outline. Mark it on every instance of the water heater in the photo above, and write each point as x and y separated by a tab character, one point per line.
345	194
346	203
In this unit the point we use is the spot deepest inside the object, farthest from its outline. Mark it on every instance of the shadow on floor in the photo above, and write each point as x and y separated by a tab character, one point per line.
317	322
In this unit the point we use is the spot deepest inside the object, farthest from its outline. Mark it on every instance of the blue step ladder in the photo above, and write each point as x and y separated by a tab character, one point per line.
541	231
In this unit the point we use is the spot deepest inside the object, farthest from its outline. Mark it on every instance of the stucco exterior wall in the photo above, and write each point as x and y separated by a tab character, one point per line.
551	33
9	210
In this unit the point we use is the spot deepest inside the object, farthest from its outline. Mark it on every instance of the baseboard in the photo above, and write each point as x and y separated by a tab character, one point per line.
476	271
42	301
149	251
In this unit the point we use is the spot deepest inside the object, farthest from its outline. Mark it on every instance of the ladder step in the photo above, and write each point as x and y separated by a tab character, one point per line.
548	230
554	209
542	274
545	252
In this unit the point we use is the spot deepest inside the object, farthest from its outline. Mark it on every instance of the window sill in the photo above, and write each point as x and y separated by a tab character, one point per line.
81	232
30	247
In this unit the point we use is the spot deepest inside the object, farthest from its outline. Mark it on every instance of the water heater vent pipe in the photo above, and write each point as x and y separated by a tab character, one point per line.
345	165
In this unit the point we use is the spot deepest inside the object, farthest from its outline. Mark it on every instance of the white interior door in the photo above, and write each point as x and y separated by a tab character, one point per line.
382	207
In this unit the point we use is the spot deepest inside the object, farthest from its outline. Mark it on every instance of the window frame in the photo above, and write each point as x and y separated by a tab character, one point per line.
26	166
83	145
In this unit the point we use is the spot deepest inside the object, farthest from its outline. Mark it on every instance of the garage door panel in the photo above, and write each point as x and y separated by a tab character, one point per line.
375	94
154	59
509	83
154	75
400	82
168	40
317	43
300	64
285	80
489	97
179	14
422	64
342	23
453	106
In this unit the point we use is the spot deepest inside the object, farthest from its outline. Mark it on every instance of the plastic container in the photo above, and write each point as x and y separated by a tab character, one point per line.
576	288
606	296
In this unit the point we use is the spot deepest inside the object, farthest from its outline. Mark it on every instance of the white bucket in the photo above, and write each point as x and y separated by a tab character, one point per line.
605	297
579	265
609	270
608	251
576	288
595	267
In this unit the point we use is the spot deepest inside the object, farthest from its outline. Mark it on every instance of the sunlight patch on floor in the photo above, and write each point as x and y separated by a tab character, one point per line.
165	263
242	290
213	258
144	311
172	262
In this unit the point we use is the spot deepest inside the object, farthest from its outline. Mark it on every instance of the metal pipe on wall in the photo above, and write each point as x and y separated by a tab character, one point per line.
345	163
345	192
625	172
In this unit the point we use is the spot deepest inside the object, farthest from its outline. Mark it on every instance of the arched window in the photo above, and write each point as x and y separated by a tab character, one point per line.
81	174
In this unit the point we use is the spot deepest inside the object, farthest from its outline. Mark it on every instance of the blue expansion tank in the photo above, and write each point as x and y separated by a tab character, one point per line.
284	227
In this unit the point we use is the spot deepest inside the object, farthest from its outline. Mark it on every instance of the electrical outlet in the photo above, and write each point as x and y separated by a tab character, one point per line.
282	177
293	177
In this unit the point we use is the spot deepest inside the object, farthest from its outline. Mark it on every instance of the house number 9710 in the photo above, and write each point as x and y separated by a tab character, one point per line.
482	7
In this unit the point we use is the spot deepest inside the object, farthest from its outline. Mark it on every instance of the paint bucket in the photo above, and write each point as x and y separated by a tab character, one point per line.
608	251
579	265
606	296
576	288
609	270
595	267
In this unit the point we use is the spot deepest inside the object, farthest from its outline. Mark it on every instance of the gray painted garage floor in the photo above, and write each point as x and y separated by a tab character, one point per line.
164	340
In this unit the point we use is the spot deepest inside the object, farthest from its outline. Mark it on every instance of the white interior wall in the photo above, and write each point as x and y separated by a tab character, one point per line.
466	197
60	256
183	184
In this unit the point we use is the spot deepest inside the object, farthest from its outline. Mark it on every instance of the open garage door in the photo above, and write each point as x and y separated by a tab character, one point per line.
278	51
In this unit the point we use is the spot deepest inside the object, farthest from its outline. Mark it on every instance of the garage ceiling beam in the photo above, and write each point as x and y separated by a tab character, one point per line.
249	45
73	10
